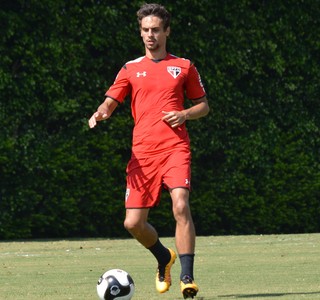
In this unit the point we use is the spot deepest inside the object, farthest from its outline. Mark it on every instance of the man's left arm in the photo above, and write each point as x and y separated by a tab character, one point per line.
200	108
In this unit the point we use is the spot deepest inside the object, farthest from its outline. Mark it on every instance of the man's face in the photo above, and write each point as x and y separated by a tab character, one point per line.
152	32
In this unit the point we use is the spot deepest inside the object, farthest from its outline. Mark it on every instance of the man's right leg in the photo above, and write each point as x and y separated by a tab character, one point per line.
136	223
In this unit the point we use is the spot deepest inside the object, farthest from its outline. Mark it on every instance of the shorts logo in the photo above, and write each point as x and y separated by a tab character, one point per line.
187	182
174	71
127	194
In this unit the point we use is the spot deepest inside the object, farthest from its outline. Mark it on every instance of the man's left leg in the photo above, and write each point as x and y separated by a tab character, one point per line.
185	240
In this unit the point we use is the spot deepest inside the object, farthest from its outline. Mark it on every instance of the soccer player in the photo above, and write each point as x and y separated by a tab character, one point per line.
157	84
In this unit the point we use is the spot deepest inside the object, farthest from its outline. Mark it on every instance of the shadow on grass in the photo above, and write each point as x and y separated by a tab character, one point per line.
238	296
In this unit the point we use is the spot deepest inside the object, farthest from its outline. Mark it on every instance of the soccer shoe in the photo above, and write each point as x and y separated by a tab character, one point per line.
189	289
163	278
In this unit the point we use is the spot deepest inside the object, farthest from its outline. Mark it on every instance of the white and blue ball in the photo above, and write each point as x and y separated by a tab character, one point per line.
115	284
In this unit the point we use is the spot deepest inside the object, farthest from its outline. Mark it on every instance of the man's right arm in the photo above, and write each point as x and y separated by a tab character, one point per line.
103	112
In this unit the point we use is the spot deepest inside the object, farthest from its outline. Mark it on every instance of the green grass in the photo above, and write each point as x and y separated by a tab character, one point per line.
234	267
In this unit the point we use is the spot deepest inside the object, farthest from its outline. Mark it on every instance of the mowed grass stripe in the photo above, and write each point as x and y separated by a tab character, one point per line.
230	267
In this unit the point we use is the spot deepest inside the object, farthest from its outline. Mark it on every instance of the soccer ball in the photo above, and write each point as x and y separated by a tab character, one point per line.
115	284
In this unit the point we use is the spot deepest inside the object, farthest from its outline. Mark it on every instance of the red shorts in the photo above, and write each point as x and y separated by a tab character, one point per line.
146	176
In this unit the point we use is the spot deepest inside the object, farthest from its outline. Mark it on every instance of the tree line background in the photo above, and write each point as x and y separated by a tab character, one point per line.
256	157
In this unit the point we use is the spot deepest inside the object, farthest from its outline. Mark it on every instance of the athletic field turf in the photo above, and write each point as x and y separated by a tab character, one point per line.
271	267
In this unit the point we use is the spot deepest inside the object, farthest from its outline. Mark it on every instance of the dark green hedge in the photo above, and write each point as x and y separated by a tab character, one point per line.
255	157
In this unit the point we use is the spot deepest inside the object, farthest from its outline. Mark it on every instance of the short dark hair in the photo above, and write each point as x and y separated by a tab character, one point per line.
154	9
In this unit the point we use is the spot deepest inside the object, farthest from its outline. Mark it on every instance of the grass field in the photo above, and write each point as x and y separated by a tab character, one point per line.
233	267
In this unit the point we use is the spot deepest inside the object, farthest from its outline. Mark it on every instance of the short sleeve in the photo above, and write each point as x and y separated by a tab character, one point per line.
121	86
193	85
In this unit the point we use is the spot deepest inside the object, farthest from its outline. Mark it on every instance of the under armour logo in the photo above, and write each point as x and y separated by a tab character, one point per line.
144	74
187	181
174	71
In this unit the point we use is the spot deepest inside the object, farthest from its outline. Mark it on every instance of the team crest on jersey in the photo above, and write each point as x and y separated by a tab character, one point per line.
174	71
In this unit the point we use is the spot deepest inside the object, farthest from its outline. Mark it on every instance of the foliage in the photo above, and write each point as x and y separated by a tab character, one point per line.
255	157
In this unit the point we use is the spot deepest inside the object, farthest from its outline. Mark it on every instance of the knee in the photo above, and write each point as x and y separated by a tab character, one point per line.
132	225
181	210
128	224
180	204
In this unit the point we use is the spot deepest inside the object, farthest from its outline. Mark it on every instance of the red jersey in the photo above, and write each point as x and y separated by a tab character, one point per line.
156	86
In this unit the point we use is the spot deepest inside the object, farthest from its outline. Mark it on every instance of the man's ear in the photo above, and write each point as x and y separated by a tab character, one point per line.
168	31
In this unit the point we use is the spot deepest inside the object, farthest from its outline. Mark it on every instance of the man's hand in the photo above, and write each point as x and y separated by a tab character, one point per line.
97	116
199	109
174	118
103	112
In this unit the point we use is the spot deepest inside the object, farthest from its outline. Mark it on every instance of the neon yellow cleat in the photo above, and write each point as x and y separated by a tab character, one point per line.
189	289
163	278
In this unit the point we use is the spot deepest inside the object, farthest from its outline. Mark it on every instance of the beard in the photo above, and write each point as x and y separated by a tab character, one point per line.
153	48
152	45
